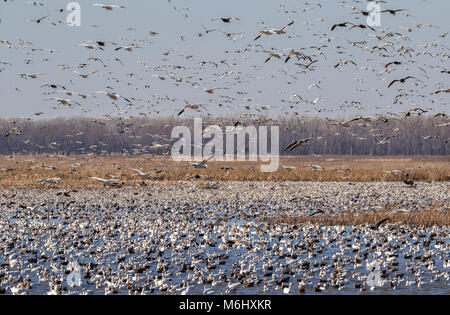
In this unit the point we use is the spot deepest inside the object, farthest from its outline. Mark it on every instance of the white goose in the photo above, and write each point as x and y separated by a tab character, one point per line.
142	174
107	182
108	7
274	31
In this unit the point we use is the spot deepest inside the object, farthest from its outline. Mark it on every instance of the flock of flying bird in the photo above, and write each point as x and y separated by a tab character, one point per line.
379	44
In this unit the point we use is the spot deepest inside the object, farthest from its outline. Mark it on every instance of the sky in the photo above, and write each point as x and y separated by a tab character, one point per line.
247	85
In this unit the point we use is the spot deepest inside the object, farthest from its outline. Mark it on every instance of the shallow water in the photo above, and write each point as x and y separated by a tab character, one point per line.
141	240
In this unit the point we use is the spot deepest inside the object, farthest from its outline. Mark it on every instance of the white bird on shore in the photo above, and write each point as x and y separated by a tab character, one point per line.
392	172
55	180
288	168
107	182
315	167
202	164
141	174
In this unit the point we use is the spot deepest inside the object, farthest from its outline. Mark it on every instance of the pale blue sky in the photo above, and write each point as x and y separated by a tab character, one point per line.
266	84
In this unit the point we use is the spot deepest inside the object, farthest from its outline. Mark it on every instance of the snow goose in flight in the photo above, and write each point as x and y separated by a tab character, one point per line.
63	101
86	75
274	31
226	19
108	7
190	106
403	80
113	96
297	143
32	76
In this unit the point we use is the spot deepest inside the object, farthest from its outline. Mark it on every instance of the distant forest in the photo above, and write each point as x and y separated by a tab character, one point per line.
416	135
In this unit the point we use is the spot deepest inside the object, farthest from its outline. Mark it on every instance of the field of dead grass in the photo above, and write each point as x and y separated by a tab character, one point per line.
436	215
76	171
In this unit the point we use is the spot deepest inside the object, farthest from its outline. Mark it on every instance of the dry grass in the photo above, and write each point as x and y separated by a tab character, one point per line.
437	215
24	171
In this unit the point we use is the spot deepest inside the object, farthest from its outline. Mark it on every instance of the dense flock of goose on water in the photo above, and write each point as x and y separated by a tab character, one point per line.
181	239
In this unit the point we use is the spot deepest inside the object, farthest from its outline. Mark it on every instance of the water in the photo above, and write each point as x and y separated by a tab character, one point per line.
127	242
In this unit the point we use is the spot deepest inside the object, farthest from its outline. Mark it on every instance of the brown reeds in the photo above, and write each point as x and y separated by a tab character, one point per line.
76	171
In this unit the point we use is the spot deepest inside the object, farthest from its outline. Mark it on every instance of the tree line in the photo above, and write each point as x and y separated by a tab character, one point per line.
417	135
